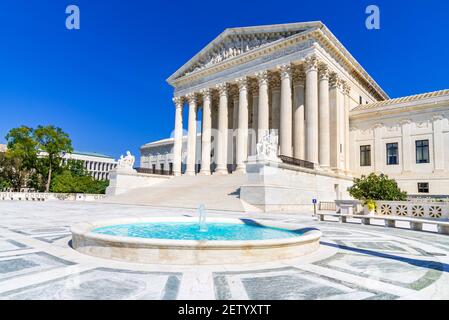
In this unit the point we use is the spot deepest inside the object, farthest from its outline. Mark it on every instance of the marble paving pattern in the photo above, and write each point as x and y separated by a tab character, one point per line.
354	261
104	284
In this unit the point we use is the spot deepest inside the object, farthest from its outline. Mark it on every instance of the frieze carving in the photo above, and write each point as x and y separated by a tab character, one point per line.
234	46
224	73
422	124
394	128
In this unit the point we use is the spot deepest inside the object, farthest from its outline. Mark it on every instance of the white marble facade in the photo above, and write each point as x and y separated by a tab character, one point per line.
98	165
300	80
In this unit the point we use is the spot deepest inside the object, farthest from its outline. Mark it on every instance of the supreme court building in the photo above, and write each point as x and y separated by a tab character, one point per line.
333	120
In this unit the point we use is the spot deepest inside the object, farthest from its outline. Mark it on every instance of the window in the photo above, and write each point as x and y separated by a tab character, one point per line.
423	187
365	156
154	168
162	168
422	151
170	168
392	154
360	100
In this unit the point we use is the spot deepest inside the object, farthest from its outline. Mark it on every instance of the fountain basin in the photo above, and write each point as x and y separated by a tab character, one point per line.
170	240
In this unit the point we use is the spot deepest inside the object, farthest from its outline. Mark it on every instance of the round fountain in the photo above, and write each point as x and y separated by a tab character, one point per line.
186	240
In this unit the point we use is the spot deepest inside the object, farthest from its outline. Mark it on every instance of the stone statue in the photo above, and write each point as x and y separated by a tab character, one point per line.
126	163
267	148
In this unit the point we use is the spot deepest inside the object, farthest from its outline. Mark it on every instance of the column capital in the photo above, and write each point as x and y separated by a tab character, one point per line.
242	83
335	80
222	89
311	63
178	101
262	77
323	70
206	93
191	98
437	117
299	79
286	71
346	88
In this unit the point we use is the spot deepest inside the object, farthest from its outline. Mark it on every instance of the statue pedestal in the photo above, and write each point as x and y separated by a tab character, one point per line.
274	186
122	181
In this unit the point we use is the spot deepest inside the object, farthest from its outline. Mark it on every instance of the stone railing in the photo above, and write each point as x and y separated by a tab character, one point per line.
297	162
41	196
414	209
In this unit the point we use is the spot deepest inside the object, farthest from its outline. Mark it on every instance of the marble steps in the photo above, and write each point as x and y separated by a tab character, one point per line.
215	192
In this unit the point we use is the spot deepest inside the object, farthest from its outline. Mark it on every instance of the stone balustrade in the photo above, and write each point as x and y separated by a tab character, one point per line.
414	209
41	196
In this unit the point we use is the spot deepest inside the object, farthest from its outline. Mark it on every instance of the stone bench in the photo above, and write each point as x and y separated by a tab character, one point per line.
347	206
390	222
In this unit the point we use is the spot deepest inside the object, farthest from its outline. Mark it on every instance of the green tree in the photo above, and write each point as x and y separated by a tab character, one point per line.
12	175
22	145
376	187
54	143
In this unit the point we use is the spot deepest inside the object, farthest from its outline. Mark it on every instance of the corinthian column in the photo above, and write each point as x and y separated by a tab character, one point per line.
312	109
177	147
337	127
191	141
222	143
324	138
347	101
299	128
242	133
255	102
263	119
286	111
206	135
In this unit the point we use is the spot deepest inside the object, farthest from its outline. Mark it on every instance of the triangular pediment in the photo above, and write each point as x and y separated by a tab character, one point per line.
238	41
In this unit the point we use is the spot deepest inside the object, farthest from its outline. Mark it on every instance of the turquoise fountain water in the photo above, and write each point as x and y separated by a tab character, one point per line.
191	231
201	230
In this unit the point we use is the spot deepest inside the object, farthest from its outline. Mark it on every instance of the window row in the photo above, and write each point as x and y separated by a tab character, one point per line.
392	152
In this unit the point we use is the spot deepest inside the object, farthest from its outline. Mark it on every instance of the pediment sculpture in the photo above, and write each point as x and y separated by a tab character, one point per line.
234	46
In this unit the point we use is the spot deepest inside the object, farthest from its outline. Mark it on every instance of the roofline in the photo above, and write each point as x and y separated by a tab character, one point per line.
164	141
413	102
228	31
86	153
319	25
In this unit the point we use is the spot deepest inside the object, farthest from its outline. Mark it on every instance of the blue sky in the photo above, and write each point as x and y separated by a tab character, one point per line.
105	83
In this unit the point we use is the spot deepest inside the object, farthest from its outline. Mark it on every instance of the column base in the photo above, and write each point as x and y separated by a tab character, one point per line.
204	173
177	174
240	171
190	173
221	171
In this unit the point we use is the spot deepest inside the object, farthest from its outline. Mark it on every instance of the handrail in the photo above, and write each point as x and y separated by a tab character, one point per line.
151	171
297	162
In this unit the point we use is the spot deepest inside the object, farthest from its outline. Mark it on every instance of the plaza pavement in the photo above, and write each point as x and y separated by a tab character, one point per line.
353	262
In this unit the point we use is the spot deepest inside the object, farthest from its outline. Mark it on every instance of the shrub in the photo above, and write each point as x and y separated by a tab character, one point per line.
67	182
376	187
